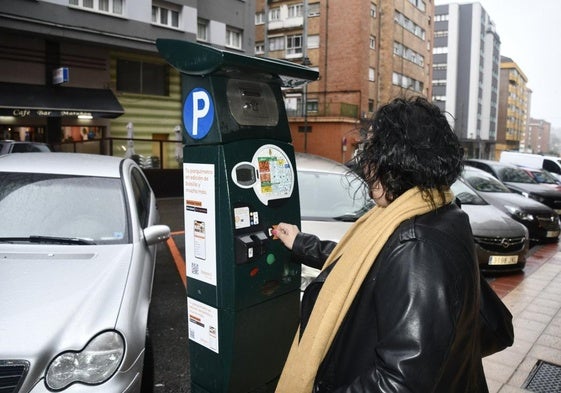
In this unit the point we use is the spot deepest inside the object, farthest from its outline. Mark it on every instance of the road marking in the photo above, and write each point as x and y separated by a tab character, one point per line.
177	257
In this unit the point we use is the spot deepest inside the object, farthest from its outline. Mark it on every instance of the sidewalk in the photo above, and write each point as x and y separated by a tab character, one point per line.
534	299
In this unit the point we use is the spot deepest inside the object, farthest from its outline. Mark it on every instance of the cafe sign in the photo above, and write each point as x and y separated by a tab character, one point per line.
21	112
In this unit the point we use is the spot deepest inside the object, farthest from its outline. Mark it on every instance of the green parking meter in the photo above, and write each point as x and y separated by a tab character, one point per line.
243	289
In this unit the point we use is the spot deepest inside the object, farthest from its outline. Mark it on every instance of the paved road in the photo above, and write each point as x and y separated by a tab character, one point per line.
168	315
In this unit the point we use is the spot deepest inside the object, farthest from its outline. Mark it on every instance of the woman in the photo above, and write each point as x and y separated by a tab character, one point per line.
396	306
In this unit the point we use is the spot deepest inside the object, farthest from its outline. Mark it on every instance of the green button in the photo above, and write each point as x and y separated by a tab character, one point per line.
271	259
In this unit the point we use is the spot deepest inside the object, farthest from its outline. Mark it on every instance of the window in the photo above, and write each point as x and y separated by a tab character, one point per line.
312	106
294	44
274	14
276	43
372	10
106	6
420	4
165	16
371	106
259	48
313	41
408	54
371	74
202	29
142	196
372	42
407	82
313	9
259	18
441	17
295	10
233	38
143	78
409	25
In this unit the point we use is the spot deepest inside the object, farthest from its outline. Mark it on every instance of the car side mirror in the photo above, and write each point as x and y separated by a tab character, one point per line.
156	234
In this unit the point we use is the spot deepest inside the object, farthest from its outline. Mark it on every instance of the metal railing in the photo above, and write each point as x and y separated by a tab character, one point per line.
148	153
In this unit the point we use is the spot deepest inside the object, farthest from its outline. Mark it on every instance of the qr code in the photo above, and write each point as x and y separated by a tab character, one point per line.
191	334
195	268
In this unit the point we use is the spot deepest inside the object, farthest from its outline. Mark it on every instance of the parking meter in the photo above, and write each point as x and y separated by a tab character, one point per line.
243	289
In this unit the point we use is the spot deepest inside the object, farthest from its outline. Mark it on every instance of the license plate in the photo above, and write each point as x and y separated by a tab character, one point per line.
503	259
552	234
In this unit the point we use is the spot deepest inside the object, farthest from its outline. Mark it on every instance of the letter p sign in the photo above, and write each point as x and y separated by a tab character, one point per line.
198	113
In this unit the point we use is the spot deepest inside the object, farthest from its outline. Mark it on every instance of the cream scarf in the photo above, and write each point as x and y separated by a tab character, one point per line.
356	253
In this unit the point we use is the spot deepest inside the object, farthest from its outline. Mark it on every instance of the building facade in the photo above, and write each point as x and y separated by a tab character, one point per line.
466	74
77	70
366	51
537	139
514	104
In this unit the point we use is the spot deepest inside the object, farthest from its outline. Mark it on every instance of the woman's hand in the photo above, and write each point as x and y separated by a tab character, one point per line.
286	233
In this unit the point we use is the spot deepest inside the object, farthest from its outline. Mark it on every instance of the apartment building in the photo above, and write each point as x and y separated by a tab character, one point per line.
514	107
75	70
466	74
366	51
537	138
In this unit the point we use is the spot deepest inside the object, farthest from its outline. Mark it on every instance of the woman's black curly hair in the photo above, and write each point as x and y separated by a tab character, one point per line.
411	144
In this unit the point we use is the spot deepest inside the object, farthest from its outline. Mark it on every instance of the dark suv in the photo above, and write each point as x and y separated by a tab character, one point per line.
7	147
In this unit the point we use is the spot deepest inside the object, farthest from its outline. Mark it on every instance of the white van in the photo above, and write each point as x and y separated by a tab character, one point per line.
549	163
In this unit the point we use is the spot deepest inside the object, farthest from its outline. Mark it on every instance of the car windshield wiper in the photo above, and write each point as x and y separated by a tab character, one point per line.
48	240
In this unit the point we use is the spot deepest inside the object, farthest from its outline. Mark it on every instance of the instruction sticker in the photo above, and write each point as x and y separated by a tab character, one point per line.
200	230
203	324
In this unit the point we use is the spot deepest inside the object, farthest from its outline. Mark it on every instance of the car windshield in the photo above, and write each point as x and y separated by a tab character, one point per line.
46	208
465	194
544	177
332	196
515	175
484	183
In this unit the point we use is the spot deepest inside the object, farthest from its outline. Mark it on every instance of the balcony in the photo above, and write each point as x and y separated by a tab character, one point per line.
332	109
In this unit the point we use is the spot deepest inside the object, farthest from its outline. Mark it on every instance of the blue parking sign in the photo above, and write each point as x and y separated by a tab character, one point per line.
198	113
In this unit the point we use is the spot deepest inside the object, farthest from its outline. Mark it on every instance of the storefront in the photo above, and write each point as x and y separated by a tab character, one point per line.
55	114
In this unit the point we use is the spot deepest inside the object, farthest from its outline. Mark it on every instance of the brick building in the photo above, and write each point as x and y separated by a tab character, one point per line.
366	51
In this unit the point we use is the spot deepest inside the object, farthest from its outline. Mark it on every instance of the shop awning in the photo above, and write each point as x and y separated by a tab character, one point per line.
23	100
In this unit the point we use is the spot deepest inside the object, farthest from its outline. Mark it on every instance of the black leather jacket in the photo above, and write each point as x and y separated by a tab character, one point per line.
413	324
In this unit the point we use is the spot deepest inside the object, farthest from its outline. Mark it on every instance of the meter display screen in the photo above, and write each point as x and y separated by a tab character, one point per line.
252	103
276	175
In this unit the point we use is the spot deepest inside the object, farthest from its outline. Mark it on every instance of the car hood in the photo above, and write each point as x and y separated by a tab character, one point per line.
537	189
326	230
56	298
488	221
507	198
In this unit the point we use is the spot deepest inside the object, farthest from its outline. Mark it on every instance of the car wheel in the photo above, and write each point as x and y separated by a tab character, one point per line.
148	368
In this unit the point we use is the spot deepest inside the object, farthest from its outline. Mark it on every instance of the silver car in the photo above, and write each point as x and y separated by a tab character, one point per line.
332	198
77	256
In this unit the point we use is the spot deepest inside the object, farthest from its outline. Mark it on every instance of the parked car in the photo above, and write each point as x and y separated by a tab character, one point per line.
501	243
8	146
519	181
78	247
542	221
332	197
544	177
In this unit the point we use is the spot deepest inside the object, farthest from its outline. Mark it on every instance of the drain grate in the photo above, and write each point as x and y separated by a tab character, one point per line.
544	378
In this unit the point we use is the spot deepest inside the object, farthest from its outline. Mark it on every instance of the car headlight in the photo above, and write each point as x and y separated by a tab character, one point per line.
94	364
519	213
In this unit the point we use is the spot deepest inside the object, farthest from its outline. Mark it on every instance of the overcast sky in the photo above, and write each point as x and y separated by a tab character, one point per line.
530	34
